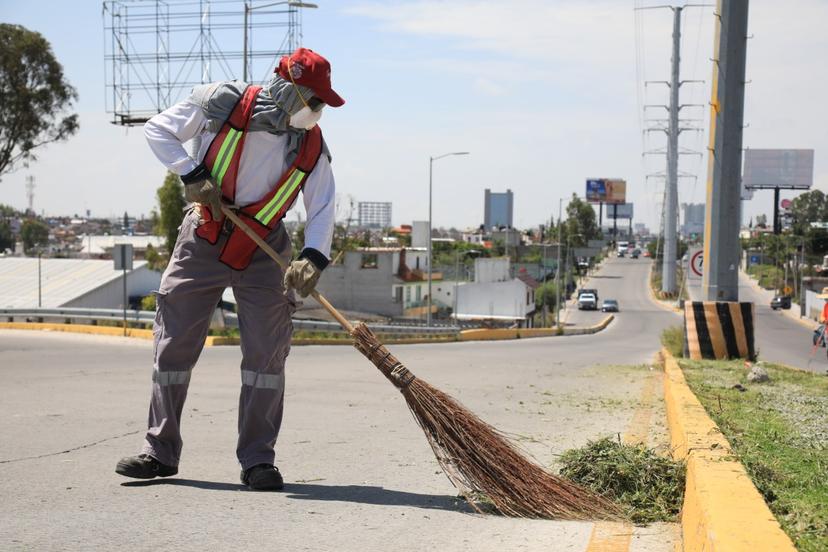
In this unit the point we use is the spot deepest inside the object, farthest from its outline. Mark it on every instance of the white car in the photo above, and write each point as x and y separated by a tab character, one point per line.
587	301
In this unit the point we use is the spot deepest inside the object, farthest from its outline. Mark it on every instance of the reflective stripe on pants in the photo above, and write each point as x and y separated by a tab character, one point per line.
190	290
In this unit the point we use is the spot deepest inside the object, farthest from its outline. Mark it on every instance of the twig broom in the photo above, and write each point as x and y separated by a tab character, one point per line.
475	456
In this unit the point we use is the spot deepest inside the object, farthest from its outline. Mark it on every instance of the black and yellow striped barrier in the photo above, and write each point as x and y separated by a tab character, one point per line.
718	330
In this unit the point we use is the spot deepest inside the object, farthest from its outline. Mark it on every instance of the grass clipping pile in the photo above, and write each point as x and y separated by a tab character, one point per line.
479	461
646	486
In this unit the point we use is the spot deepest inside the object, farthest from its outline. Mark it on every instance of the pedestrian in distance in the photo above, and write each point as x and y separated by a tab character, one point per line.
254	150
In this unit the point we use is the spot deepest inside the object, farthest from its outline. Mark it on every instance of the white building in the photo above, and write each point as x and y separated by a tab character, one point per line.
495	296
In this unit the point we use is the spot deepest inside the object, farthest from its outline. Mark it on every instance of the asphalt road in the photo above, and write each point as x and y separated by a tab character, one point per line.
359	473
778	338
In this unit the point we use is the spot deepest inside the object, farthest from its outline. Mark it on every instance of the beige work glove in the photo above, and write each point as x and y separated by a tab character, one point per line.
302	276
206	193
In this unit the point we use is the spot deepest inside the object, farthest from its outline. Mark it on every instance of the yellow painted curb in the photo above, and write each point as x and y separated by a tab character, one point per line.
499	334
722	509
77	328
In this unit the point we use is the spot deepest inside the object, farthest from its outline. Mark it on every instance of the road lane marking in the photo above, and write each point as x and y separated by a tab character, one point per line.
610	537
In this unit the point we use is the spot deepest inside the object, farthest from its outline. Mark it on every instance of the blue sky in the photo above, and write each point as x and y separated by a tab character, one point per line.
543	94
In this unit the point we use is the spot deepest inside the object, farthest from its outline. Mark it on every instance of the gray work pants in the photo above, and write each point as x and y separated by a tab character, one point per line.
190	290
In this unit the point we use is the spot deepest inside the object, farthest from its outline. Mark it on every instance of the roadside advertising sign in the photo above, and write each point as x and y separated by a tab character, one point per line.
620	211
695	262
616	190
791	169
596	190
606	190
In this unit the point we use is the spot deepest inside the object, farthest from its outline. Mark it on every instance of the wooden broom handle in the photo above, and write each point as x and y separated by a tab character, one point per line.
273	255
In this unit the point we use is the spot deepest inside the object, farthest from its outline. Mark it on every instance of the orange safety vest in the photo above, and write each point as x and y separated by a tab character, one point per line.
223	159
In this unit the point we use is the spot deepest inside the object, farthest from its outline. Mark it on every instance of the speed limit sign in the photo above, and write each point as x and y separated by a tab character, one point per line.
695	263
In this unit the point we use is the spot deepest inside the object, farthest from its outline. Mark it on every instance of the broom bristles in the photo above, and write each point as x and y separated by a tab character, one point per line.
477	458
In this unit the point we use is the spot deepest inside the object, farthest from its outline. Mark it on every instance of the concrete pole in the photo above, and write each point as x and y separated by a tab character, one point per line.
558	268
244	50
668	271
428	241
724	169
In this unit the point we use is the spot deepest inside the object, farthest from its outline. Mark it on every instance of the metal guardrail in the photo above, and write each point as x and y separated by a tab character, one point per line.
230	320
77	314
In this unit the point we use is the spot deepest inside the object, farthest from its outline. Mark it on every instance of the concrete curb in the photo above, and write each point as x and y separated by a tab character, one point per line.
210	341
722	509
218	340
77	328
655	300
523	333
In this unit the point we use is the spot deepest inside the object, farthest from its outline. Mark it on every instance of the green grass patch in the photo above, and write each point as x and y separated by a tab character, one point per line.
673	340
779	430
648	487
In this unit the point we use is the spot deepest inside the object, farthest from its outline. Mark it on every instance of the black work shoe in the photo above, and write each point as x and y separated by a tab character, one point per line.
144	466
263	477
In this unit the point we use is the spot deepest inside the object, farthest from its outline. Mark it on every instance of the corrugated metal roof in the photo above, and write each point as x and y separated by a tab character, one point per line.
98	245
62	280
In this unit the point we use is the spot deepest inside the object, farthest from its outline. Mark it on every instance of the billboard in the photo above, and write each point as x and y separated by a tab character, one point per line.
620	211
606	190
791	169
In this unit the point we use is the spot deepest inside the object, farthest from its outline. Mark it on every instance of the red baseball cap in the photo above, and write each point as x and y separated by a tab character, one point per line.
308	68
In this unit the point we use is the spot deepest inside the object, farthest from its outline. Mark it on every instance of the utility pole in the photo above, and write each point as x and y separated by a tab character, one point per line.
722	216
673	130
668	270
558	268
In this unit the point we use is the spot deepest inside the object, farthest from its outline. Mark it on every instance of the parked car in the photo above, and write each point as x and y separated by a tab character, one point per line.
609	305
587	301
781	302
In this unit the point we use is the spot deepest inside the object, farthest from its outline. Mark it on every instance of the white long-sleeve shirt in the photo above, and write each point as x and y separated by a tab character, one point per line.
262	164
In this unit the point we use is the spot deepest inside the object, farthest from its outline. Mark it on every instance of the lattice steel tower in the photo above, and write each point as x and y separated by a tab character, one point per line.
157	50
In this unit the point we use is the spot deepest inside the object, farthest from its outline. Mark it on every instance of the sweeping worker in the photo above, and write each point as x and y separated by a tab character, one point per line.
254	149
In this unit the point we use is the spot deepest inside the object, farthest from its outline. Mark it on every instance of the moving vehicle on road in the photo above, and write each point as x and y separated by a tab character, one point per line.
781	302
588	290
609	305
587	301
635	253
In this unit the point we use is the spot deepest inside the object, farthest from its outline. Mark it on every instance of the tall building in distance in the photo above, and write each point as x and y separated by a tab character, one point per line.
374	214
497	209
693	226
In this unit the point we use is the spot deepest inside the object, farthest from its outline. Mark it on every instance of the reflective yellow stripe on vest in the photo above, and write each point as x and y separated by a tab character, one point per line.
266	213
225	154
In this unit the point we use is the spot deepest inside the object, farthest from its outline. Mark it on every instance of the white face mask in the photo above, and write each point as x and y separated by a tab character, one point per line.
305	118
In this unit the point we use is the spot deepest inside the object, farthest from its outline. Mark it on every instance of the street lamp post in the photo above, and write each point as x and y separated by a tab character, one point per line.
558	267
248	8
431	161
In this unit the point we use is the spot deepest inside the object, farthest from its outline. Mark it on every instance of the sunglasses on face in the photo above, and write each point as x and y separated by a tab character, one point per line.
315	104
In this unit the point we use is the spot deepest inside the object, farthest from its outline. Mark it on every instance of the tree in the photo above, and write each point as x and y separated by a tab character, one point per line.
33	233
171	209
580	225
6	237
807	208
34	97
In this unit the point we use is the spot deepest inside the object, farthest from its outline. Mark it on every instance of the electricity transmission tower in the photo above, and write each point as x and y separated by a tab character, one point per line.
157	50
672	127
